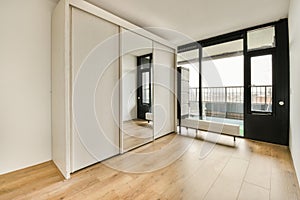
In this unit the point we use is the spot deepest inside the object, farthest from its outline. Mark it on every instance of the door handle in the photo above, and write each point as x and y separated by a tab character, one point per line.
139	98
281	103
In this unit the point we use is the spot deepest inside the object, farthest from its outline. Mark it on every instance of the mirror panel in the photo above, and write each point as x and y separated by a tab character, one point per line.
136	90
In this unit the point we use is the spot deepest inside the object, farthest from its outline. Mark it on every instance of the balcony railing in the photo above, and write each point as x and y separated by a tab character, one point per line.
228	101
261	98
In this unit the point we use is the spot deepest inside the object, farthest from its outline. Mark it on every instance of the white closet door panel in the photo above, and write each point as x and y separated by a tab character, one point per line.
95	72
164	90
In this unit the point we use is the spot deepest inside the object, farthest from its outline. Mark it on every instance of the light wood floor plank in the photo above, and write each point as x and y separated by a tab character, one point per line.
228	171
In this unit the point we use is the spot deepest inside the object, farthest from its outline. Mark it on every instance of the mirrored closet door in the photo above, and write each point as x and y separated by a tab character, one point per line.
136	90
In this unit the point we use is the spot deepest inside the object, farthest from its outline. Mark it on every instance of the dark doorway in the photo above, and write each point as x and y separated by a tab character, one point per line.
144	85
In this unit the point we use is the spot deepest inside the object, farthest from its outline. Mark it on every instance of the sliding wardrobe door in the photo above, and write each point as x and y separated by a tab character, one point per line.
164	90
136	90
95	99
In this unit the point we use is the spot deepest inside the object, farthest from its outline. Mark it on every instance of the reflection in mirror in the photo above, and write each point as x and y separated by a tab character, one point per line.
137	98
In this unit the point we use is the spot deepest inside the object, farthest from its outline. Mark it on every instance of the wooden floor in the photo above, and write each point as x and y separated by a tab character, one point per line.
246	170
136	132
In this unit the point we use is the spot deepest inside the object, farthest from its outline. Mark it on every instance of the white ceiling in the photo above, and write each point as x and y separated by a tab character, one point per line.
197	19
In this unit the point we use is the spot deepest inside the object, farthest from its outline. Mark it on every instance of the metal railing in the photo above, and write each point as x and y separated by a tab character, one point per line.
223	94
261	94
234	94
261	98
229	100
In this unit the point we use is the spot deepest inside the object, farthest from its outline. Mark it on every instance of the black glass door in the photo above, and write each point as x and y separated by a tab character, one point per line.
267	84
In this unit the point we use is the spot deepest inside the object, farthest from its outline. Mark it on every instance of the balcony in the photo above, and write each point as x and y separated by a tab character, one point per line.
226	104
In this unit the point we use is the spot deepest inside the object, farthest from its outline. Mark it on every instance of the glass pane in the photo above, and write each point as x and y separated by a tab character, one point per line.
261	83
223	80
188	61
146	88
261	38
188	56
223	83
226	49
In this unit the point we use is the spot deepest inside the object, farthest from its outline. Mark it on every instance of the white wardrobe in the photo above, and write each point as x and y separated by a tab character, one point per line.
86	84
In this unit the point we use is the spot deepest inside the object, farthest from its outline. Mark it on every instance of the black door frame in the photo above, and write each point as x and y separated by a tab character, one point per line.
141	107
253	129
277	122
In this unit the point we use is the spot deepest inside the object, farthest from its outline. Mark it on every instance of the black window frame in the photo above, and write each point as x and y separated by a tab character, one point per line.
235	35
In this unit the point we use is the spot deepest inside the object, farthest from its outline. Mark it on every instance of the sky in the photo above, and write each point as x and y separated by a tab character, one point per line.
230	72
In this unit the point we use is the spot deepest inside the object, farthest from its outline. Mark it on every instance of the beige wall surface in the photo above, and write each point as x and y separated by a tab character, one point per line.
294	33
25	83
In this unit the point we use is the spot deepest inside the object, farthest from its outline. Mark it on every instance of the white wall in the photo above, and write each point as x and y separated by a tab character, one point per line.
129	87
294	37
25	65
